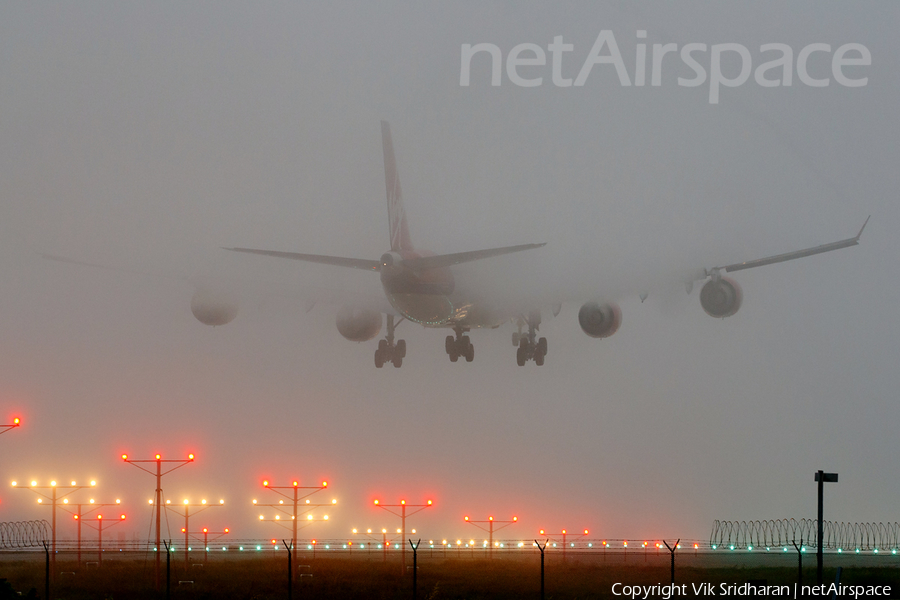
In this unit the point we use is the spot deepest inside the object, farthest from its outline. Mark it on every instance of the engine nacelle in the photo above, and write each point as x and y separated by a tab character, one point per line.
721	298
599	320
212	309
358	325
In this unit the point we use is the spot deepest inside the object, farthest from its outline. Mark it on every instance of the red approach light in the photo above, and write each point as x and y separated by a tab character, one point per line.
273	541
183	530
190	457
542	532
76	518
429	503
403	502
122	517
515	519
467	518
585	532
295	484
100	517
16	422
124	457
265	483
376	503
205	530
490	518
158	456
314	541
324	484
226	530
564	531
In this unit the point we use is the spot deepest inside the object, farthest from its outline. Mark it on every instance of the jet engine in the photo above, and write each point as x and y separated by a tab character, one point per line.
599	320
212	309
721	298
358	325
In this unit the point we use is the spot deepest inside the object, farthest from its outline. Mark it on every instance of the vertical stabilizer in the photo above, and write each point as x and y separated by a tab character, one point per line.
396	215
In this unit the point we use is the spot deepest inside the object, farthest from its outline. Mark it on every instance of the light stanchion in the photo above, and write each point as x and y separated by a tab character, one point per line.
100	524
403	506
54	499
186	504
297	508
491	529
565	534
16	422
205	534
176	463
79	514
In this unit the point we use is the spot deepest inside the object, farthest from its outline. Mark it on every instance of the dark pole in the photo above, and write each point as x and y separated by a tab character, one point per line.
168	569
290	570
799	562
821	478
672	552
542	566
46	570
158	508
415	566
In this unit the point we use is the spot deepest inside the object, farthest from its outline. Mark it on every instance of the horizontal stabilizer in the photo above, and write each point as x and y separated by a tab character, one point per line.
356	263
446	260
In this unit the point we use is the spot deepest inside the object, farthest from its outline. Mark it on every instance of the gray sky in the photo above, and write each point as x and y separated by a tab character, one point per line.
147	136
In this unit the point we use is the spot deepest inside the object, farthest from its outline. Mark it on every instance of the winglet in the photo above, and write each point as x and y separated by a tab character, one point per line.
858	235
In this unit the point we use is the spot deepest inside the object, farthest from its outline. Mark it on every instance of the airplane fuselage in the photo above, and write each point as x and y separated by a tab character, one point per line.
431	297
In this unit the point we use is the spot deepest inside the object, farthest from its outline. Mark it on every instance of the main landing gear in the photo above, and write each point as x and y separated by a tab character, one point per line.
460	346
388	351
528	346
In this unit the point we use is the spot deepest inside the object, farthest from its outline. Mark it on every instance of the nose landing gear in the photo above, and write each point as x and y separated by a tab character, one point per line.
461	345
388	351
529	346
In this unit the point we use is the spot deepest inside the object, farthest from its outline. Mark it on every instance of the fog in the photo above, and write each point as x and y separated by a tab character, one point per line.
144	138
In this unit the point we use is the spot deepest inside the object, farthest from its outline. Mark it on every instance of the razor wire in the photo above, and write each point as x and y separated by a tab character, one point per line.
785	532
23	534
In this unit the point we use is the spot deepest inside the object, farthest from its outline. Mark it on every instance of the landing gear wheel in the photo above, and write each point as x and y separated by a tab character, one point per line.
538	359
388	351
520	356
454	356
449	344
470	353
542	346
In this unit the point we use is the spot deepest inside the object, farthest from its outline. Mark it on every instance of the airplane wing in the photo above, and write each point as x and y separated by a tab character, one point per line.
355	263
446	260
416	264
759	262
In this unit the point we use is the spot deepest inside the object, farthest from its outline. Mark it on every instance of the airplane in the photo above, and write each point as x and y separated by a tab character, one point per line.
423	288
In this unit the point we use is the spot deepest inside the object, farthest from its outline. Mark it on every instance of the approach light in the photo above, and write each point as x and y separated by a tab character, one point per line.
429	503
73	483
33	483
403	502
295	484
149	501
586	532
158	457
14	484
334	500
93	482
52	484
324	484
354	530
16	421
376	502
185	500
466	518
515	519
66	501
265	484
254	501
490	518
190	457
203	501
124	457
226	530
